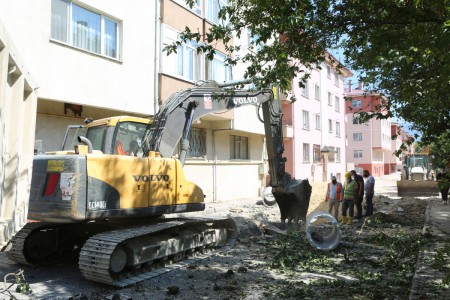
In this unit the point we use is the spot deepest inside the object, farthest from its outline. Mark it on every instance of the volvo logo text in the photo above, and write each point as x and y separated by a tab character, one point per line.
242	100
147	178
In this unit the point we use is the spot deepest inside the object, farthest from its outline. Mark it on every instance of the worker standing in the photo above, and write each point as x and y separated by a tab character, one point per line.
350	196
369	190
360	193
335	193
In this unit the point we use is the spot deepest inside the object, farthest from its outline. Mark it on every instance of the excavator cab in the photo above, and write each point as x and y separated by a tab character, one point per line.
116	135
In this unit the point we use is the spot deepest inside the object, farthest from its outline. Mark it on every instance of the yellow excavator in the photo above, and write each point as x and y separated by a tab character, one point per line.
102	198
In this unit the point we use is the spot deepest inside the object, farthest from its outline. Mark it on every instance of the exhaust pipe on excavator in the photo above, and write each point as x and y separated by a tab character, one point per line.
85	141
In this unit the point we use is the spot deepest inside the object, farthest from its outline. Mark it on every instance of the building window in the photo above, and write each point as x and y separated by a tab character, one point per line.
316	153
197	8
305	119
331	154
338	154
357	137
329	99
328	71
187	56
338	129
318	121
253	43
305	152
355	120
378	156
356	103
357	154
186	62
238	147
84	29
317	92
336	79
212	8
218	70
305	90
330	125
337	104
197	143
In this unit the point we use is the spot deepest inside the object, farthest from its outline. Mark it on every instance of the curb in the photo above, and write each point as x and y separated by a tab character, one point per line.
426	278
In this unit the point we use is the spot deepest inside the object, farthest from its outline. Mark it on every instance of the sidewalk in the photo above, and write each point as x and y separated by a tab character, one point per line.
427	280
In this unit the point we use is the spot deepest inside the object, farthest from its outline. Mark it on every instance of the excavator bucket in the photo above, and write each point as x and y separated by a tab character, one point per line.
292	197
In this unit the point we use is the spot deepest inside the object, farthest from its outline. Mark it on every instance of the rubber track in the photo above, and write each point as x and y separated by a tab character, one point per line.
16	253
96	253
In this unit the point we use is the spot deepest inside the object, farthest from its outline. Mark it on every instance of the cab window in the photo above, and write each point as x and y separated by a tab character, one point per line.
129	139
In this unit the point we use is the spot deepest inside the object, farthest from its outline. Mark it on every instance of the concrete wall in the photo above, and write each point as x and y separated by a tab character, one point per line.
17	122
225	181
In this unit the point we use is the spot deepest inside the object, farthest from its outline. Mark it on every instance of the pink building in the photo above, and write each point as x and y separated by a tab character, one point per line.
369	144
314	125
395	162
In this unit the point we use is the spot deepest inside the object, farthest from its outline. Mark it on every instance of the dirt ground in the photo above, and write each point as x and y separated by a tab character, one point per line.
257	267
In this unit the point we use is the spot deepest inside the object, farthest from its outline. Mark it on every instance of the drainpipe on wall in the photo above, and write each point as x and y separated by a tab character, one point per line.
371	144
157	54
293	139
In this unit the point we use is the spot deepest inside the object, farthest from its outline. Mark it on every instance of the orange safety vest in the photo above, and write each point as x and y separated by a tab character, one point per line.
119	148
338	191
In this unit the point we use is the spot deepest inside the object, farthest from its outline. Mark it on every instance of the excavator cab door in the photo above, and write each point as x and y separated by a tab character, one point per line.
127	139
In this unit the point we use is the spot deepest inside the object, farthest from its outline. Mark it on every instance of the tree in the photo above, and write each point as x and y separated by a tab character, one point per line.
401	46
440	150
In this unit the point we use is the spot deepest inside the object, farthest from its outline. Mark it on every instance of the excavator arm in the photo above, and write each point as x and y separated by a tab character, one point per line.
172	124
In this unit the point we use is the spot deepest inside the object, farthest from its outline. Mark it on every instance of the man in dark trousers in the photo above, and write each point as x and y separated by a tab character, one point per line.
369	190
360	181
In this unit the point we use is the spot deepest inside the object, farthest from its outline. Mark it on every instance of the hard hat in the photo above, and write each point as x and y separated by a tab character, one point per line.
348	175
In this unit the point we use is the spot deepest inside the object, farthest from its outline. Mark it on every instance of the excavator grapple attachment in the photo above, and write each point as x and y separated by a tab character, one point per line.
292	196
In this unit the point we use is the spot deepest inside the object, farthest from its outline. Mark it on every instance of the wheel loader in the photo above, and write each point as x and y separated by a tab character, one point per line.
107	197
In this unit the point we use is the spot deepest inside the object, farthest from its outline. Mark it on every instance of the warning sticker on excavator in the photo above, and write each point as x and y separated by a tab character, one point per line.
55	166
67	185
207	101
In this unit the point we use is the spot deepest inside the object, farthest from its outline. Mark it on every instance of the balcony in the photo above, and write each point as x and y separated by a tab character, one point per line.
288	130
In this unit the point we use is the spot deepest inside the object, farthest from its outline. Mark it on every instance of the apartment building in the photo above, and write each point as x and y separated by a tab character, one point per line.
227	149
369	144
89	59
394	163
315	126
94	59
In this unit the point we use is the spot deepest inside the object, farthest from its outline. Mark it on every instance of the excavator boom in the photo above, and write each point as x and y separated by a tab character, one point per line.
173	122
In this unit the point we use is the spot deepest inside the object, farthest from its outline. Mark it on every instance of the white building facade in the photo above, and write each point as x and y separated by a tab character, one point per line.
317	146
88	58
